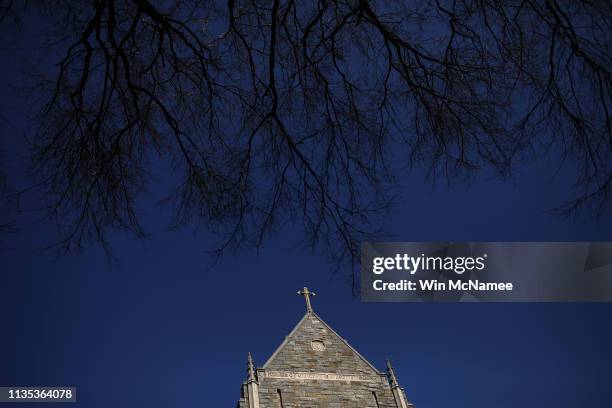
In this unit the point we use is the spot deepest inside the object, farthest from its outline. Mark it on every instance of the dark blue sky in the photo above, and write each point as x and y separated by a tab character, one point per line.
158	328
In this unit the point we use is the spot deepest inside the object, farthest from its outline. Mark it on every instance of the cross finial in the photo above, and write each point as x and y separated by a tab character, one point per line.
306	293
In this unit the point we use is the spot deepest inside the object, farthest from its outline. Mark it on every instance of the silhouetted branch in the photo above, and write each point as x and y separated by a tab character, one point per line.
295	111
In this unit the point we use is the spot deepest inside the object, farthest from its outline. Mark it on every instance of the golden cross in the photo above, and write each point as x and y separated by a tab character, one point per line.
306	293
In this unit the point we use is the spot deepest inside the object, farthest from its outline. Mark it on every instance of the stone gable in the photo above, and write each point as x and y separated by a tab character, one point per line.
314	347
315	368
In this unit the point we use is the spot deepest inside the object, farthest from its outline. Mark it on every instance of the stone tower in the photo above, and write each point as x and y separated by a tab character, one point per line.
316	368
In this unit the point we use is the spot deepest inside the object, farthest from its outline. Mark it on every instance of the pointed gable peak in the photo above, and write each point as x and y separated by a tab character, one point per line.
313	345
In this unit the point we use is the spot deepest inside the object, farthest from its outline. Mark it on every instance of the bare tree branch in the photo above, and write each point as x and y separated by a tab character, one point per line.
295	112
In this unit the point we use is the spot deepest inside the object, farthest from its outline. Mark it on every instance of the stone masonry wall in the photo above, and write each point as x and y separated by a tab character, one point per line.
323	394
311	351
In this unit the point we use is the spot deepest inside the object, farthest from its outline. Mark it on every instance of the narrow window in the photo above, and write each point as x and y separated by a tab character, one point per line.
373	394
280	398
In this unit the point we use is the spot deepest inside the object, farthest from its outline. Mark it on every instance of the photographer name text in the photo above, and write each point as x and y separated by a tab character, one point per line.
435	285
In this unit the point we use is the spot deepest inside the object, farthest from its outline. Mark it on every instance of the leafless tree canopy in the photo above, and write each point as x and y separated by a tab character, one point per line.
285	111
